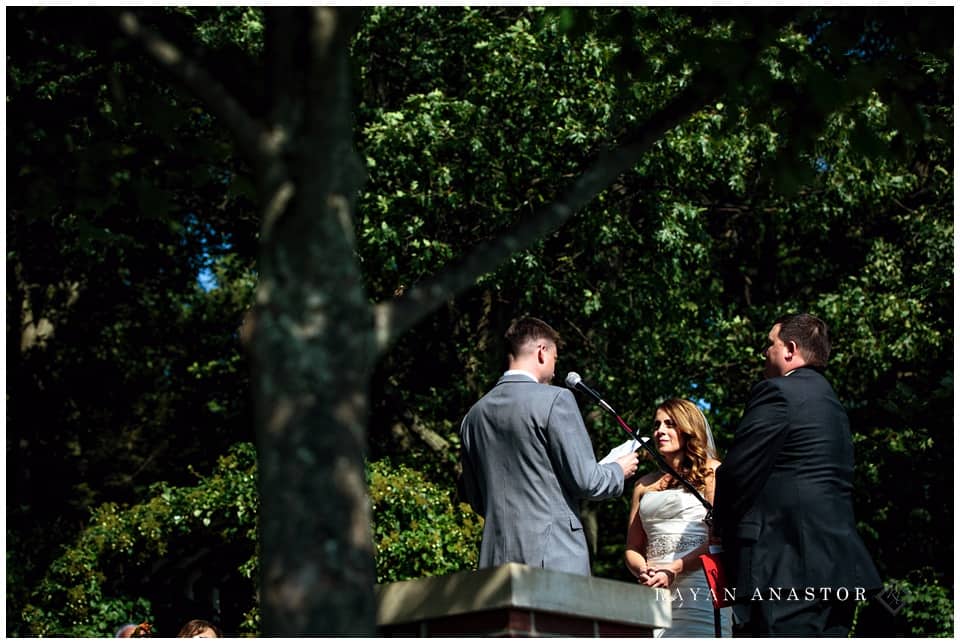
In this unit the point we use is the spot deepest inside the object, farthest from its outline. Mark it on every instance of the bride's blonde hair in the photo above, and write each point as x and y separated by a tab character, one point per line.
692	424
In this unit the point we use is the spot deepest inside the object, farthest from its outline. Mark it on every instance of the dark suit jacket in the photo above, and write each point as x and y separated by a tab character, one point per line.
527	461
783	502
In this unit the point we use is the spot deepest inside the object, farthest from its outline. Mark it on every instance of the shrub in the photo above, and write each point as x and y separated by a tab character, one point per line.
418	529
86	591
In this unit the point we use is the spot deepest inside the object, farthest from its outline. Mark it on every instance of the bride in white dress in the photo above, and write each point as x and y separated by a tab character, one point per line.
667	534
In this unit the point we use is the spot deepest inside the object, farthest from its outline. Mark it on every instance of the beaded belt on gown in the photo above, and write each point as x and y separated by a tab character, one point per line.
664	544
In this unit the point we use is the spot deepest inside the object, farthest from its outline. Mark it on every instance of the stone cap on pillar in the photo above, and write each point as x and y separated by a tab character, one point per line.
515	585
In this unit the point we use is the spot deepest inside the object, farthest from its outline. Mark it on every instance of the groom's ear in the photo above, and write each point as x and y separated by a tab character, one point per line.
791	347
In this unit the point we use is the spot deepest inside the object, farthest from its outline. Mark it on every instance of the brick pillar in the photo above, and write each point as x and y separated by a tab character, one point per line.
518	601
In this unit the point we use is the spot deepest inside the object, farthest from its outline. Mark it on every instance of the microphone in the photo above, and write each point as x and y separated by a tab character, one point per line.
575	382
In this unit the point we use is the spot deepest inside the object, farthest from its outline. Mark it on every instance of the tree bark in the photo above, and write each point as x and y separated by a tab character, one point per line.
312	346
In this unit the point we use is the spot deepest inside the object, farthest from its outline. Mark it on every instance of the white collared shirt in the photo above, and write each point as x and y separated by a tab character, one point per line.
520	372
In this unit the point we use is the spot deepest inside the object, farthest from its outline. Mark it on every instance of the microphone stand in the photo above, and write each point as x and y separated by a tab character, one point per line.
716	581
666	468
661	463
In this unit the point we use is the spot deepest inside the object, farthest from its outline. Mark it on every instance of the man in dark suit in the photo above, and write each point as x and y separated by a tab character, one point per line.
783	501
527	461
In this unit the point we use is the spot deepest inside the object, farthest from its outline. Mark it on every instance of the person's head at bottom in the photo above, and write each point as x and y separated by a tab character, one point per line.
126	630
199	628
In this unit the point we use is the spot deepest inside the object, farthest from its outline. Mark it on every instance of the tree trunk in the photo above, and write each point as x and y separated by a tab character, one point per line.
312	342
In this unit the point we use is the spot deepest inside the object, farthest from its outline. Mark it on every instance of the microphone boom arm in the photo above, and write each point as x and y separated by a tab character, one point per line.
666	468
575	382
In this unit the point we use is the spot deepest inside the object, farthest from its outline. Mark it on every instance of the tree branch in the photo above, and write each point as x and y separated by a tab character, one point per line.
254	140
394	317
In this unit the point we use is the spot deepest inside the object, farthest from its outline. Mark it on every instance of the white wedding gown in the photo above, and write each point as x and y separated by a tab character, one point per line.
673	521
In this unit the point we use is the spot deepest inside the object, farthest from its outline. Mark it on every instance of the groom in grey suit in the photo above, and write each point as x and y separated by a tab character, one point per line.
527	461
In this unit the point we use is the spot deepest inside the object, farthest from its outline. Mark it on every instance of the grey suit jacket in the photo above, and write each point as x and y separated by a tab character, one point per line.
527	460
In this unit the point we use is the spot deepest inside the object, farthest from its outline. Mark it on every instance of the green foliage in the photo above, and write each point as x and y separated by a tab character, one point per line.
449	164
89	590
927	606
913	606
666	285
418	530
128	190
822	180
227	27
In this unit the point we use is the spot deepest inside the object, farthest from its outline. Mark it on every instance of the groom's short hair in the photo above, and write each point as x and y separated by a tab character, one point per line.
528	329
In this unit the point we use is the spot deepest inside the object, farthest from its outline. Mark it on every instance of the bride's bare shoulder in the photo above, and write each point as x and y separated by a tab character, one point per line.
647	481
